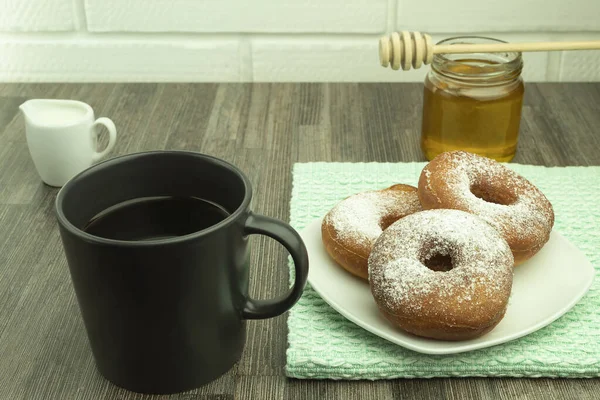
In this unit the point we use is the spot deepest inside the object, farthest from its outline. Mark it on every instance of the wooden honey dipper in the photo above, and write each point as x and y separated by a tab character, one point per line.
403	49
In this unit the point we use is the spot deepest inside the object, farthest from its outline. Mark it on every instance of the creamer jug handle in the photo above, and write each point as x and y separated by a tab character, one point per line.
112	137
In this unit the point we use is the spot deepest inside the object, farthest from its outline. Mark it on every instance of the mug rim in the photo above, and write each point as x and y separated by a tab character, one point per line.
81	234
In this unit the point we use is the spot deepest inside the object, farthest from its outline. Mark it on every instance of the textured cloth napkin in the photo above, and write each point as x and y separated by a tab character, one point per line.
325	345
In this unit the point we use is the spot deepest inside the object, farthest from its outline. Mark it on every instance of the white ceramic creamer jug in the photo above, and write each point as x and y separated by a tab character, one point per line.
62	137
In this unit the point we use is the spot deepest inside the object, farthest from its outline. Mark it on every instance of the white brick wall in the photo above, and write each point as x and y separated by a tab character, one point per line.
36	15
500	15
103	59
308	16
271	40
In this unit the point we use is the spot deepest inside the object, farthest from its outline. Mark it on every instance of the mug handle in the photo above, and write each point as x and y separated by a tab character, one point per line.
112	137
290	239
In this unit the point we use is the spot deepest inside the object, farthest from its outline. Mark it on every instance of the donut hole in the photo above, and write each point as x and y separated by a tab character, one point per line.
439	262
488	193
437	255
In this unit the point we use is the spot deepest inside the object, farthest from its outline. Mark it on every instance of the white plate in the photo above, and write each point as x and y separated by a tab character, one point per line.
544	288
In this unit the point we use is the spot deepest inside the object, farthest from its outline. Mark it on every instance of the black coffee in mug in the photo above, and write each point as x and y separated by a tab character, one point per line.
152	218
157	249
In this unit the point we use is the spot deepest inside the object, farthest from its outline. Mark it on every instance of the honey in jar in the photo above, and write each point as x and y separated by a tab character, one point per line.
473	102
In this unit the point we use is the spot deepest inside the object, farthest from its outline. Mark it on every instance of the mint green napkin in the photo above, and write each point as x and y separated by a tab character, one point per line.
324	345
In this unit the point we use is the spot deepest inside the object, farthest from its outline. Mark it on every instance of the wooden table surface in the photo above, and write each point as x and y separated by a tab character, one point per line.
263	129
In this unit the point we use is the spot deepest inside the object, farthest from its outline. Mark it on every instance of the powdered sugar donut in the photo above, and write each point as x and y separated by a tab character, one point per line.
504	199
442	274
349	230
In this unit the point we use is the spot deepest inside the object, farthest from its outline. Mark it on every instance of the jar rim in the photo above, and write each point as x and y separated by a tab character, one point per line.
502	66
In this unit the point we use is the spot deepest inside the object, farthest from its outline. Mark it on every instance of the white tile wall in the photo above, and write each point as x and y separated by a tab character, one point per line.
499	15
580	66
577	66
114	59
270	40
237	15
337	59
36	15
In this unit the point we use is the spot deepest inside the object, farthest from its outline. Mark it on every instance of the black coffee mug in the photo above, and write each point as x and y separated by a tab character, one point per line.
167	315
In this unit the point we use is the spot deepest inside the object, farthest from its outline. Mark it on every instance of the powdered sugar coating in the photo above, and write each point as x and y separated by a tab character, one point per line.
473	293
525	222
360	218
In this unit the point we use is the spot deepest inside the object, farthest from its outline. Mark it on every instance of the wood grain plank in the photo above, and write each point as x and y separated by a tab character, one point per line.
391	121
258	117
283	117
348	137
130	107
260	387
309	101
44	325
421	389
192	120
39	90
555	131
228	117
324	389
312	143
19	182
9	110
313	140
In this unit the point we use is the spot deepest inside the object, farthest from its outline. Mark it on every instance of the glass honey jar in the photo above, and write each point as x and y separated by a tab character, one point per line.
473	102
